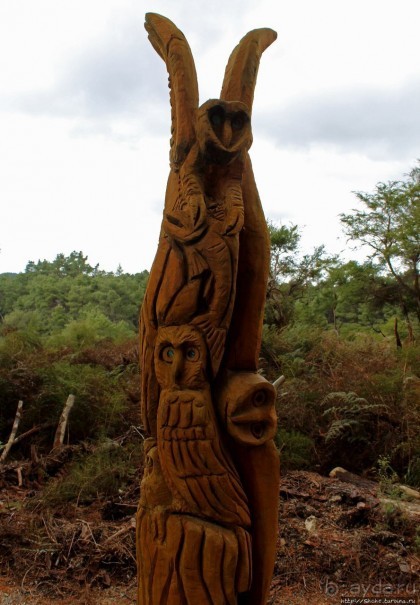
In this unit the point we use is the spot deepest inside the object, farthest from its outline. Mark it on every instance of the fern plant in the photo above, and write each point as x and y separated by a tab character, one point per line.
351	418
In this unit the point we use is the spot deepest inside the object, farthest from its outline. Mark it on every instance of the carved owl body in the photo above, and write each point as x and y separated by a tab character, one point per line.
194	462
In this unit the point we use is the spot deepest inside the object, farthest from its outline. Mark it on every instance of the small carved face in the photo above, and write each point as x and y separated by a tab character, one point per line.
180	358
224	129
246	402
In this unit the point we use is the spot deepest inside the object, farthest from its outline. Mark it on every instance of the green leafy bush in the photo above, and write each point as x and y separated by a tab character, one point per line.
103	473
296	450
90	328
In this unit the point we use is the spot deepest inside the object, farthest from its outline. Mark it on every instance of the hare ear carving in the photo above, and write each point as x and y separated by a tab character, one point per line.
171	44
242	68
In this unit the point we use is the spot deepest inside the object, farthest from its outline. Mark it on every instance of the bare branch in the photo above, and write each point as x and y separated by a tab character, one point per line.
62	423
13	433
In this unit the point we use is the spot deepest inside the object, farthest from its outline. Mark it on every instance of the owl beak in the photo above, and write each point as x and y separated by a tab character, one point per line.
226	134
177	367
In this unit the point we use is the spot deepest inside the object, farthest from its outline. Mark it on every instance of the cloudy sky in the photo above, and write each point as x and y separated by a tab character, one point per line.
84	116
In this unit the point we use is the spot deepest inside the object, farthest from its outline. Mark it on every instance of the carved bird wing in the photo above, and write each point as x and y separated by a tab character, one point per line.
242	68
193	461
171	44
148	329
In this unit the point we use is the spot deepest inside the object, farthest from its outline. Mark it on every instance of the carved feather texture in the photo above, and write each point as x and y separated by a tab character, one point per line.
193	461
242	68
171	44
198	562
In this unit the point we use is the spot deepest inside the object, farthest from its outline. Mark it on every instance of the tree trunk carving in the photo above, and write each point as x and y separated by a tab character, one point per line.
207	518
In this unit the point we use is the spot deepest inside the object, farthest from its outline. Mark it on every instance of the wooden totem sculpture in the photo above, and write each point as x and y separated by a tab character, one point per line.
207	518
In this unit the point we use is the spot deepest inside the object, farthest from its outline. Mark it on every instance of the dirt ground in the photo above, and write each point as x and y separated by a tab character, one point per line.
338	537
13	595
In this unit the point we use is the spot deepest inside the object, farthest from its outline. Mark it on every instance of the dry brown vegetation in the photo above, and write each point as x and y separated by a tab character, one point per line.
334	536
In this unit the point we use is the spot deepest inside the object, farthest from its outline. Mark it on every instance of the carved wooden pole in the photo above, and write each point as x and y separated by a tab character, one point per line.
207	518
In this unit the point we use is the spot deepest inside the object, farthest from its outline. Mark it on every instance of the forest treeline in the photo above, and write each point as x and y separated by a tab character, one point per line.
345	334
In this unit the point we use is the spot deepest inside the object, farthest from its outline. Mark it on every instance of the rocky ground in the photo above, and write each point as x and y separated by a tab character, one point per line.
338	536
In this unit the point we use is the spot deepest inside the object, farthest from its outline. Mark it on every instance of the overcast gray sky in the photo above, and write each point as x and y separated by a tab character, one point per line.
85	117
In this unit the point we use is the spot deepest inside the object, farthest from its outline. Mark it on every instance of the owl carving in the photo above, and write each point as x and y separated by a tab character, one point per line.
180	358
194	462
193	521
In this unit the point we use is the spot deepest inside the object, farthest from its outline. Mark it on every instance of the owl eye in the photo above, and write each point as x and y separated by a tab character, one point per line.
217	116
192	354
238	121
167	354
259	398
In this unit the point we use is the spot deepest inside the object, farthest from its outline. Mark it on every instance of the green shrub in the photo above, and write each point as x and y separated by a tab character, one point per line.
296	450
100	403
104	473
90	328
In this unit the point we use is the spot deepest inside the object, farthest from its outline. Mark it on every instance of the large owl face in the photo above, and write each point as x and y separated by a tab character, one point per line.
223	130
180	358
